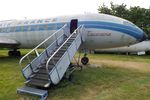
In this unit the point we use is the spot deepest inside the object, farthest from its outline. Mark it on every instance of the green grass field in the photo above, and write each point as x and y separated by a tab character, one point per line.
107	77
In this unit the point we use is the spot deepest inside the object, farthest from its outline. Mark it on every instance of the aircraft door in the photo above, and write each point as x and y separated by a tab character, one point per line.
73	25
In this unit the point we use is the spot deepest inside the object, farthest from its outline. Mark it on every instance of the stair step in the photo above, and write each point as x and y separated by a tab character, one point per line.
55	60
74	36
33	91
64	47
63	50
51	64
58	54
71	39
38	83
41	76
67	45
42	70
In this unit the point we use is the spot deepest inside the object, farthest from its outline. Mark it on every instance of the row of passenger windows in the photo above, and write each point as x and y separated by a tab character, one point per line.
27	28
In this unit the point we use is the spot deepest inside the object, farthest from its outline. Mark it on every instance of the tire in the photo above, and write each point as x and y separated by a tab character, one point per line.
17	54
14	53
84	60
10	54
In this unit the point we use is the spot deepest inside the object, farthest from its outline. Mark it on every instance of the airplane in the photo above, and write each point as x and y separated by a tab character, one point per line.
139	49
102	31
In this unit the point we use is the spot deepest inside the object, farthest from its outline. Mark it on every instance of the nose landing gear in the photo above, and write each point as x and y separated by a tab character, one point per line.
84	60
14	53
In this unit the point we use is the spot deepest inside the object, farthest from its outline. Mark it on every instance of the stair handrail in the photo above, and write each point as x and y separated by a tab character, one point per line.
47	63
35	49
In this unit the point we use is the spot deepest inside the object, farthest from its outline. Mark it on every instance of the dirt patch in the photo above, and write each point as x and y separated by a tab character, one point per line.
141	66
90	93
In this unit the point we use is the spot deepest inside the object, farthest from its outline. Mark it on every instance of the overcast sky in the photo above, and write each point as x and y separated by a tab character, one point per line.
33	9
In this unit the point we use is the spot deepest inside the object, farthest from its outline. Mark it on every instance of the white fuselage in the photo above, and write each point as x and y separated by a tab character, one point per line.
139	47
102	31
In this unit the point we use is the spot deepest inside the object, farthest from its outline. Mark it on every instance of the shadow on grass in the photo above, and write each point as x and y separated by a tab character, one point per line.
7	57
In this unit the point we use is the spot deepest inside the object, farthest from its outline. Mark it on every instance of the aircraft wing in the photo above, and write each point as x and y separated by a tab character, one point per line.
8	43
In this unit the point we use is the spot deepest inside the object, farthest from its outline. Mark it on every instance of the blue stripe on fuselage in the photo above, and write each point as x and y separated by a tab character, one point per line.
130	30
126	29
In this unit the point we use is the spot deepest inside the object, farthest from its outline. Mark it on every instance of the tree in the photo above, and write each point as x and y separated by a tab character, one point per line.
137	15
119	10
104	9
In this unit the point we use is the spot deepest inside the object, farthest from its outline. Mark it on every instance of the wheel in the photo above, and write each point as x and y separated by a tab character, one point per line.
14	53
84	60
10	53
17	53
148	52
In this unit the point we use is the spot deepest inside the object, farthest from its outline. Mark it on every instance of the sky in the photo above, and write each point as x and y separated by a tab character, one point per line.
35	9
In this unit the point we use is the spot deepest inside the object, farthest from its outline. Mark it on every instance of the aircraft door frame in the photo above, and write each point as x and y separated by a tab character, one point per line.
73	25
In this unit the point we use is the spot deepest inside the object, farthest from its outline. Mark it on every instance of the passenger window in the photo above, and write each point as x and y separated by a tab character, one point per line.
22	28
37	27
25	28
50	27
41	27
17	28
8	29
46	27
33	28
4	30
29	28
12	29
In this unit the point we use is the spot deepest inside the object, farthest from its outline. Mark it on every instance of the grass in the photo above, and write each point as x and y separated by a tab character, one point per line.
134	58
103	82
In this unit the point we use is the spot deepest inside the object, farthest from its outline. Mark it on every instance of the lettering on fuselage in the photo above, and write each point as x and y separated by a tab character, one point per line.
28	22
99	34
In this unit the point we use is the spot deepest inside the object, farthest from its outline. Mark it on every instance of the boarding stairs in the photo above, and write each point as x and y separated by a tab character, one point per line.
44	67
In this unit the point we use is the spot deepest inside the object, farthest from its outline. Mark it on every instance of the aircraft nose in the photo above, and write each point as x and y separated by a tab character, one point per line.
145	37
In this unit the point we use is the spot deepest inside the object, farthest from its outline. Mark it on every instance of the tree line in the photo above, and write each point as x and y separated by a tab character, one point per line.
139	16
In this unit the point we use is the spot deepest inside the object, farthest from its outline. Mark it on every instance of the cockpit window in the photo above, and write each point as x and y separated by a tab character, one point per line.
128	23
